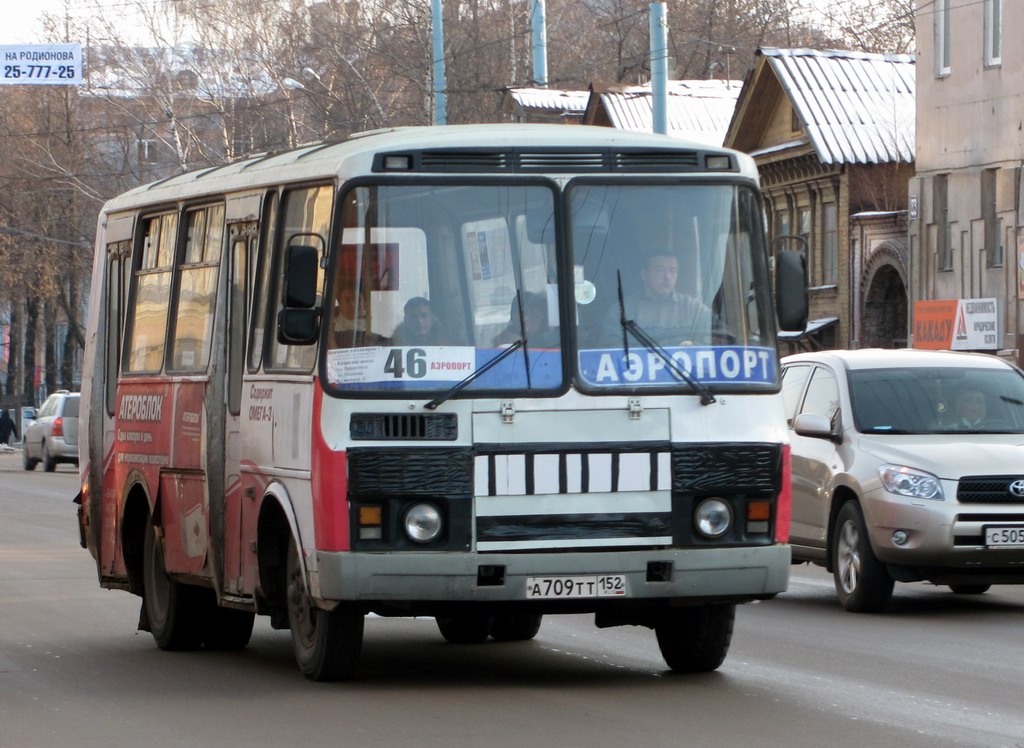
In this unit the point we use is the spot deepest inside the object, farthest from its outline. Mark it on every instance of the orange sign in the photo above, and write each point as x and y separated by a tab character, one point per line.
957	324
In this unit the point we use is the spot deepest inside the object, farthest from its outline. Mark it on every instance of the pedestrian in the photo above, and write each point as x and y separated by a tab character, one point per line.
7	427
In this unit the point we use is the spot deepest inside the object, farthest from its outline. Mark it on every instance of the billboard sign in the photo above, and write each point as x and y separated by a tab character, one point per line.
957	324
40	64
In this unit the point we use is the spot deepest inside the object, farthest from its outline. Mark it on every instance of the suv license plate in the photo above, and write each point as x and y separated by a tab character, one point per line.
603	585
1004	537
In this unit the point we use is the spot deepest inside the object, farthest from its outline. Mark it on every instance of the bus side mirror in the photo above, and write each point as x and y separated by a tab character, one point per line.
791	290
298	322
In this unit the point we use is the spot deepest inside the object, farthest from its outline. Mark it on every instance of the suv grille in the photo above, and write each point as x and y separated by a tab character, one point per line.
982	489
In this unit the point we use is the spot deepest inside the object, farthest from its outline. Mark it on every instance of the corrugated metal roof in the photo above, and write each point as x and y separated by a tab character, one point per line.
857	107
698	110
551	99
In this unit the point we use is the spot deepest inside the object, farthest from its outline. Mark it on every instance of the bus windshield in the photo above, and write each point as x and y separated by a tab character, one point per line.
669	277
431	283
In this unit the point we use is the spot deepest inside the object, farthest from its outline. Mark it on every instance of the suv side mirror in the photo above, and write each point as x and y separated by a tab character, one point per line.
816	426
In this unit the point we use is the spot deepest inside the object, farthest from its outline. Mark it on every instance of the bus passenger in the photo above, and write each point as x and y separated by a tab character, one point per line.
349	328
420	325
538	333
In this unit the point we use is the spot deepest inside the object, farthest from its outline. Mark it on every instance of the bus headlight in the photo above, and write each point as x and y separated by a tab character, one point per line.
713	518
422	523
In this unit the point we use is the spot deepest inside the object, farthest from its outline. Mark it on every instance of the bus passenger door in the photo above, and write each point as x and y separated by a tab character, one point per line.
105	515
239	509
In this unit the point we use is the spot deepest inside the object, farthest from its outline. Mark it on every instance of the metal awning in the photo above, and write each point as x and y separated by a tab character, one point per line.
813	326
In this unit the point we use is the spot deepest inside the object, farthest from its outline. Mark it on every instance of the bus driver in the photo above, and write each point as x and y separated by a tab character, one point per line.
661	310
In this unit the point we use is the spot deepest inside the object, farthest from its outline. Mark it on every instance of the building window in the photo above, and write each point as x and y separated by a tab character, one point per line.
943	33
782	223
940	216
993	32
993	229
830	244
804	215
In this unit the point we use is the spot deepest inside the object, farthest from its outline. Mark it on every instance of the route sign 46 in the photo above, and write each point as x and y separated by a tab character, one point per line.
41	64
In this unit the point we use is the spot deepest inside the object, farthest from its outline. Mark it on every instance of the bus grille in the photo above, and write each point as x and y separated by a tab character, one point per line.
547	160
404	426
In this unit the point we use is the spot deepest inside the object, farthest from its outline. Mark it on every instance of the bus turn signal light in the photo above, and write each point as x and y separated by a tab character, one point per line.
369	523
758	514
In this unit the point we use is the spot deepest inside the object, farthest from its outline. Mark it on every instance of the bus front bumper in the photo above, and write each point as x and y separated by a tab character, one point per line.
733	574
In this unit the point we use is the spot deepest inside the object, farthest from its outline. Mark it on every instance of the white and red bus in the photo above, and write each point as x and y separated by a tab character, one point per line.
424	372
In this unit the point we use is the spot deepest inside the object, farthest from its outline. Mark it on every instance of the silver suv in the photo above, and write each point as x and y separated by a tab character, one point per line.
907	466
53	436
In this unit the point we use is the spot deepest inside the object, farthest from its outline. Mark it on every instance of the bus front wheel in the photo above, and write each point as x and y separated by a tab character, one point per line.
695	639
327	643
174	611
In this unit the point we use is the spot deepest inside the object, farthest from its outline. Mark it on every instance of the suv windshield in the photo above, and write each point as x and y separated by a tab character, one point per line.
430	283
671	276
937	400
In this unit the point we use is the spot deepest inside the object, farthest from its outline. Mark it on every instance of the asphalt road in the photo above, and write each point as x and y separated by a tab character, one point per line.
936	670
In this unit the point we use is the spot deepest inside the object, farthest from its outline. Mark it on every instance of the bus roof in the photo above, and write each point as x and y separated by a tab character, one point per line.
538	149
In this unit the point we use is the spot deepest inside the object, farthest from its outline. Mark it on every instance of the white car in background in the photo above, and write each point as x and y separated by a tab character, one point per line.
907	466
53	436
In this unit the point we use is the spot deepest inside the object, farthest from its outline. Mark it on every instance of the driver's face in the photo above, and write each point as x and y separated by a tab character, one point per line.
421	318
660	275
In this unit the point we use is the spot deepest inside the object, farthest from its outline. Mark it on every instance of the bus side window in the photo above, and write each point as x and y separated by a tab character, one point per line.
258	319
239	291
306	219
197	289
118	264
147	317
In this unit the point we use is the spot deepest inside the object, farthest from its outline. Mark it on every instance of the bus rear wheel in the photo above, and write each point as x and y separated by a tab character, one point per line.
695	639
327	643
465	628
175	612
516	628
227	629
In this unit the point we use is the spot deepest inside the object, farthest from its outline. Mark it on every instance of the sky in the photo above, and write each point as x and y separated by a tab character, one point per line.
21	20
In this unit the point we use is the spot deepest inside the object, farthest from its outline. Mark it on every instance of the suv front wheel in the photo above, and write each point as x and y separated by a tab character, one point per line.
862	581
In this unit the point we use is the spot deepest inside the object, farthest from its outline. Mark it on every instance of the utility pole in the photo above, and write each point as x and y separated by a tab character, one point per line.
659	67
538	20
440	97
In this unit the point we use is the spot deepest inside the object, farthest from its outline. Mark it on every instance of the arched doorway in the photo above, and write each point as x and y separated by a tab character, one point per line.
885	302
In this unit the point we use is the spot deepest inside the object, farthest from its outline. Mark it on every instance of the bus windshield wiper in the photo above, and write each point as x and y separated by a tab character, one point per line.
468	380
629	326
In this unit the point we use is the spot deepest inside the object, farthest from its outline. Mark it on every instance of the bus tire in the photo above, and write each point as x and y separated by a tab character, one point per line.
695	639
465	628
174	611
970	589
327	643
516	628
227	628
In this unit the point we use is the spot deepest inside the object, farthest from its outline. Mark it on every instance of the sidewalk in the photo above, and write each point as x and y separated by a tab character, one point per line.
10	457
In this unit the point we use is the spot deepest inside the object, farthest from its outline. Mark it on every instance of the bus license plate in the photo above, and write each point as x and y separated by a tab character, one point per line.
1004	537
604	585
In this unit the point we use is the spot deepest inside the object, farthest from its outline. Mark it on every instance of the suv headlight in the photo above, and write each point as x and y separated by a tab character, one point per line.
905	481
